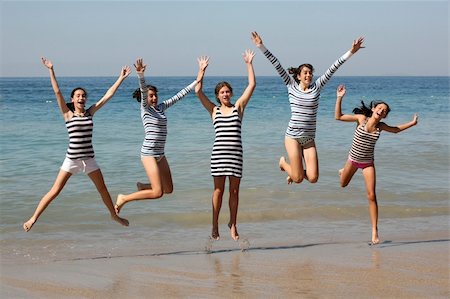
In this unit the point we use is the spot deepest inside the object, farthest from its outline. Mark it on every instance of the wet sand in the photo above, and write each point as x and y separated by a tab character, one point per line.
416	266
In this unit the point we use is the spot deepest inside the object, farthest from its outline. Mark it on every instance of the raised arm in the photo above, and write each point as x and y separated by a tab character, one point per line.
242	102
203	62
124	72
340	93
356	45
399	128
257	40
140	70
59	97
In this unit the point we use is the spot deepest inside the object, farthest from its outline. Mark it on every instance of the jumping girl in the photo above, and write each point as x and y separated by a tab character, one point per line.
154	121
227	152
361	156
80	154
304	94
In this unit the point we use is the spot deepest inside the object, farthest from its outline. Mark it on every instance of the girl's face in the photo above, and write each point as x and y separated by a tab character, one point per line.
152	98
305	76
79	99
224	95
380	111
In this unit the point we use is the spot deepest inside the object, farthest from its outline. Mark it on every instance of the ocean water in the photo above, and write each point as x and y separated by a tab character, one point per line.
412	168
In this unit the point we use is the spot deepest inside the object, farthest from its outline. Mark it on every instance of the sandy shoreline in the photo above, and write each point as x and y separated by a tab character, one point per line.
416	266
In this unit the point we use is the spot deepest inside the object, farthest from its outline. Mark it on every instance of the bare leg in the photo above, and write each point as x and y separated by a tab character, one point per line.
58	185
294	170
311	162
281	164
370	179
233	204
346	173
166	176
97	178
154	176
219	186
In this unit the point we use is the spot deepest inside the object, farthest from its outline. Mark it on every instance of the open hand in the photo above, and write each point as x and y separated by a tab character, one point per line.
257	40
140	66
47	63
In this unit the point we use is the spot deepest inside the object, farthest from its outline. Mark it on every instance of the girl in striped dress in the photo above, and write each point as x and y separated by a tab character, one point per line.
80	154
304	94
361	155
152	151
227	154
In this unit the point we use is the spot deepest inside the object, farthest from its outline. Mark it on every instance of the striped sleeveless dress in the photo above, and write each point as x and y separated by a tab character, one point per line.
227	155
363	145
80	137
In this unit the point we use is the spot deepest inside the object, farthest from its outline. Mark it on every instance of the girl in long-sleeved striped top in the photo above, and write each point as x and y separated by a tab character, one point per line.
152	151
304	97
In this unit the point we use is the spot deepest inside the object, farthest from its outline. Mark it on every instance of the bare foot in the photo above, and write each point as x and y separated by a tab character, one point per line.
142	186
215	234
282	161
29	224
375	239
289	180
122	221
119	203
233	231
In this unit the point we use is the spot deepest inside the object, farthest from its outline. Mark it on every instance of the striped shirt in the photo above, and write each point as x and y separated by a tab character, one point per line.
227	156
80	137
154	120
304	104
363	145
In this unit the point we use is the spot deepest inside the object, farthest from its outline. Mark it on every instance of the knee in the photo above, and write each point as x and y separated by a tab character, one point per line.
344	184
297	178
371	197
102	189
158	193
218	193
54	191
234	193
168	190
313	180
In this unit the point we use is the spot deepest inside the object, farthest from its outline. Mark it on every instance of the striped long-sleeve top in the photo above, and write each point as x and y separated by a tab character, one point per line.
80	137
154	120
304	104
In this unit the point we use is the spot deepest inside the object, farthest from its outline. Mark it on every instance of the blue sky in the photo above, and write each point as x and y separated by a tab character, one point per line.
95	38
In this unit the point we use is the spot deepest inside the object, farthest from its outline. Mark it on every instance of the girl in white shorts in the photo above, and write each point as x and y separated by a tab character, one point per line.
80	154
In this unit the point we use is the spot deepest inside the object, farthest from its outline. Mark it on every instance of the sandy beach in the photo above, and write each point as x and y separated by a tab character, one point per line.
414	266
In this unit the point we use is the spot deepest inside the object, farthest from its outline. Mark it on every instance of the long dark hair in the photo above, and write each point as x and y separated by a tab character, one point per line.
294	71
367	111
137	93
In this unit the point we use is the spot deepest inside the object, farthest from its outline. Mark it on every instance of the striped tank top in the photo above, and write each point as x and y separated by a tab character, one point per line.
363	145
304	104
80	137
227	156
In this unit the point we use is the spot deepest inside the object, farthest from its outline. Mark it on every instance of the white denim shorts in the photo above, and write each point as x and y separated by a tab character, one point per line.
75	166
